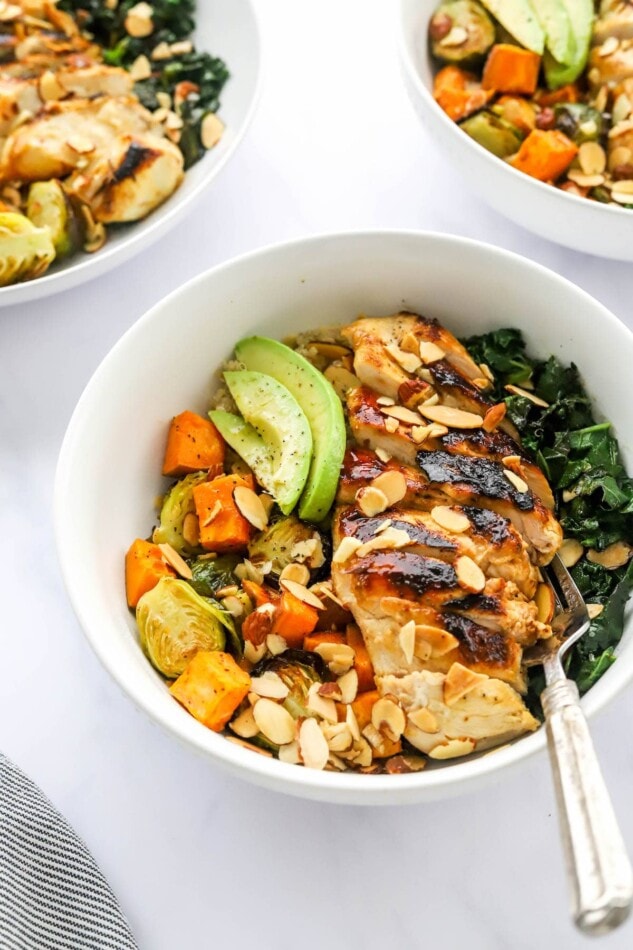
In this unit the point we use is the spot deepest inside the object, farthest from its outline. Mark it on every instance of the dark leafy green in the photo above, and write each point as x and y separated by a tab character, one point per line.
173	21
211	574
594	494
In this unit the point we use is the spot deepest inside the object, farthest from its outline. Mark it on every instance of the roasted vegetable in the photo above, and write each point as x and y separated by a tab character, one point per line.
222	525
144	567
461	32
211	688
579	122
362	706
511	69
298	670
286	540
294	619
545	154
211	574
25	250
178	506
48	206
193	444
517	111
493	133
459	93
174	623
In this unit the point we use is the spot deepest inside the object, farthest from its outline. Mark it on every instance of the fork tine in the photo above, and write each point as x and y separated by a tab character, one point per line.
570	592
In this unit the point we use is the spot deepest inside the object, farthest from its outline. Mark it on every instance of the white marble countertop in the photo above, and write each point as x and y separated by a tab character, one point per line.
199	859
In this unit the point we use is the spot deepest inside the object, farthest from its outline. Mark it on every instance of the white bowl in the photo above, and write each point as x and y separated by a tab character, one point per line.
584	225
227	30
109	468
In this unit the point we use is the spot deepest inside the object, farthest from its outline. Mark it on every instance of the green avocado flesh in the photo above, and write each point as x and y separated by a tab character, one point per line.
559	37
275	440
323	411
520	20
581	15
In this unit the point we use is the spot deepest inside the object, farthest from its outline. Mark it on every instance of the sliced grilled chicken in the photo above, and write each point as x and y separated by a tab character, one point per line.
369	422
454	714
117	162
443	479
490	541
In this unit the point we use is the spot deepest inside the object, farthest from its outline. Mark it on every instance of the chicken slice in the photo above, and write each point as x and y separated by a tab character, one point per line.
17	97
489	540
443	479
368	421
454	714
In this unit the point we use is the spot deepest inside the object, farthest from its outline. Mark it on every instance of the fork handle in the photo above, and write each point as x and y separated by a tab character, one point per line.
597	863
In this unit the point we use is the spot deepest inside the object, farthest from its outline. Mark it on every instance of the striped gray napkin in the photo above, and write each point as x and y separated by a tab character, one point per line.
52	894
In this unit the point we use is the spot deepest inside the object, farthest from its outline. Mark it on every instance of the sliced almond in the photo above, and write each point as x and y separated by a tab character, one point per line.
620	155
431	401
424	719
388	539
516	481
545	603
459	682
406	638
270	685
213	513
594	610
519	391
454	418
174	560
140	69
494	416
138	21
341	379
362	756
331	691
348	686
585	181
211	130
570	552
439	641
313	745
451	520
346	549
391	425
191	529
338	657
326	708
383	455
401	414
298	573
392	484
181	47
430	352
338	738
511	461
371	501
436	431
250	506
352	723
621	109
244	725
161	51
452	749
373	736
469	575
419	434
388	718
164	100
485	369
385	401
275	644
408	361
622	197
289	753
423	650
609	46
254	653
592	158
480	382
234	606
456	37
274	721
616	555
50	87
404	764
302	593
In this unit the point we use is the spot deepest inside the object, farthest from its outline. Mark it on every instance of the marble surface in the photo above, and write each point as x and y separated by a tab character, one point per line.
199	859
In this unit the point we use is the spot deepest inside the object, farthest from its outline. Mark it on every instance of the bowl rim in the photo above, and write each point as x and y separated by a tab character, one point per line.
137	240
325	786
413	76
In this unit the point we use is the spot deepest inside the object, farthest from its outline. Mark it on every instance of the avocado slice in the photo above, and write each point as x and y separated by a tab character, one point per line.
323	410
581	16
559	37
520	20
246	441
277	441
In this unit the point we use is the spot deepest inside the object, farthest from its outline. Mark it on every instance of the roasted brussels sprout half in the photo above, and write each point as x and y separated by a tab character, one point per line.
177	504
579	122
48	206
298	669
25	251
212	574
493	133
287	540
461	32
174	623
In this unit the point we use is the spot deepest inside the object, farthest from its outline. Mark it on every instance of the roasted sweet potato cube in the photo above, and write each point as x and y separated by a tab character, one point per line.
222	525
362	706
193	444
211	688
144	567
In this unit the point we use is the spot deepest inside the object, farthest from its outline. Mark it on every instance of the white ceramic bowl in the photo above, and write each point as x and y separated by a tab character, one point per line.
228	30
584	225
109	468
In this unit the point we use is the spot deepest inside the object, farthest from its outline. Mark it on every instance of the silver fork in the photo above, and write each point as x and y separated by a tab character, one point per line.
597	863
